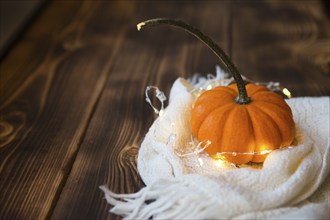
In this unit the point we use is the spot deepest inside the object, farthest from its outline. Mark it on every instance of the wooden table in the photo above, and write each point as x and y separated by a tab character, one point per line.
72	105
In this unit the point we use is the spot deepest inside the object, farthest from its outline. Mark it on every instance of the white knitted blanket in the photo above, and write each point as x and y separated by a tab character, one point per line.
183	184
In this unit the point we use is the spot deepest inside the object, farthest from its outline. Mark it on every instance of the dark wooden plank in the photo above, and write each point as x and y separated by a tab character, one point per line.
14	18
50	84
151	57
285	41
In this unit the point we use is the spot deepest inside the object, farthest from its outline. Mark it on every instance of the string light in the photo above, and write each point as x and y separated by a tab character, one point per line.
201	163
195	148
286	92
220	163
159	95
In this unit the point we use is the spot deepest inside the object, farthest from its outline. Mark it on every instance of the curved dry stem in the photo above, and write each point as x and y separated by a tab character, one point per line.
242	93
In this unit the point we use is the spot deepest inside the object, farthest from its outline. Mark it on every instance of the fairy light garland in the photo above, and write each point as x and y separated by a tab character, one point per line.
195	148
159	95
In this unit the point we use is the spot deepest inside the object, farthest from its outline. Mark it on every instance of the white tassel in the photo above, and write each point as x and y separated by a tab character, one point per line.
164	199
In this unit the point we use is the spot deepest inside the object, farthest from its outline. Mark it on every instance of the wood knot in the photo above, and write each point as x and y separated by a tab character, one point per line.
10	125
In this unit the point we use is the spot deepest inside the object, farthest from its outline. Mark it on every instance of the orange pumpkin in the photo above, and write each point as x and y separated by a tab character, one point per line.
265	123
242	123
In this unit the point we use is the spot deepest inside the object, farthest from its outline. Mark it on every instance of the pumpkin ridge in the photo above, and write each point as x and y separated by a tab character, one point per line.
276	99
261	94
233	148
210	113
253	89
204	100
281	108
216	91
227	89
284	140
225	125
205	134
271	119
271	122
253	128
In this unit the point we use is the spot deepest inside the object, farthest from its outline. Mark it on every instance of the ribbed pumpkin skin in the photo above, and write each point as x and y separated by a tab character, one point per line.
265	123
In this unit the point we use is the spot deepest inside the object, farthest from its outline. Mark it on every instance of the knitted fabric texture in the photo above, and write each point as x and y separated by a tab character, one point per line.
292	182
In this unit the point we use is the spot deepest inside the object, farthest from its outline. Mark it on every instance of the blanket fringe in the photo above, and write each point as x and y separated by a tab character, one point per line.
164	199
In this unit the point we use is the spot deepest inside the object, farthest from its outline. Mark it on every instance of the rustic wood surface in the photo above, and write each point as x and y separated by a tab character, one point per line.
72	88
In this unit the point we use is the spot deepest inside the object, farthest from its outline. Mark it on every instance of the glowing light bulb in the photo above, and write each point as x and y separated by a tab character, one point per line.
219	163
264	152
286	92
201	163
209	87
161	112
264	149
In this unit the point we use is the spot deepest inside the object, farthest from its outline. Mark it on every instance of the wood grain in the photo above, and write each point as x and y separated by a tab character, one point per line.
47	102
122	118
72	109
285	42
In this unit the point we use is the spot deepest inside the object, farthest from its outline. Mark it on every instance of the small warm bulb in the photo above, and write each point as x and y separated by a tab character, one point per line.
209	87
264	152
286	92
219	163
200	162
161	112
264	149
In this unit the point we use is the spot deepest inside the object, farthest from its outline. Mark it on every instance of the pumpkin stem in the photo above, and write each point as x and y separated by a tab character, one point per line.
242	94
